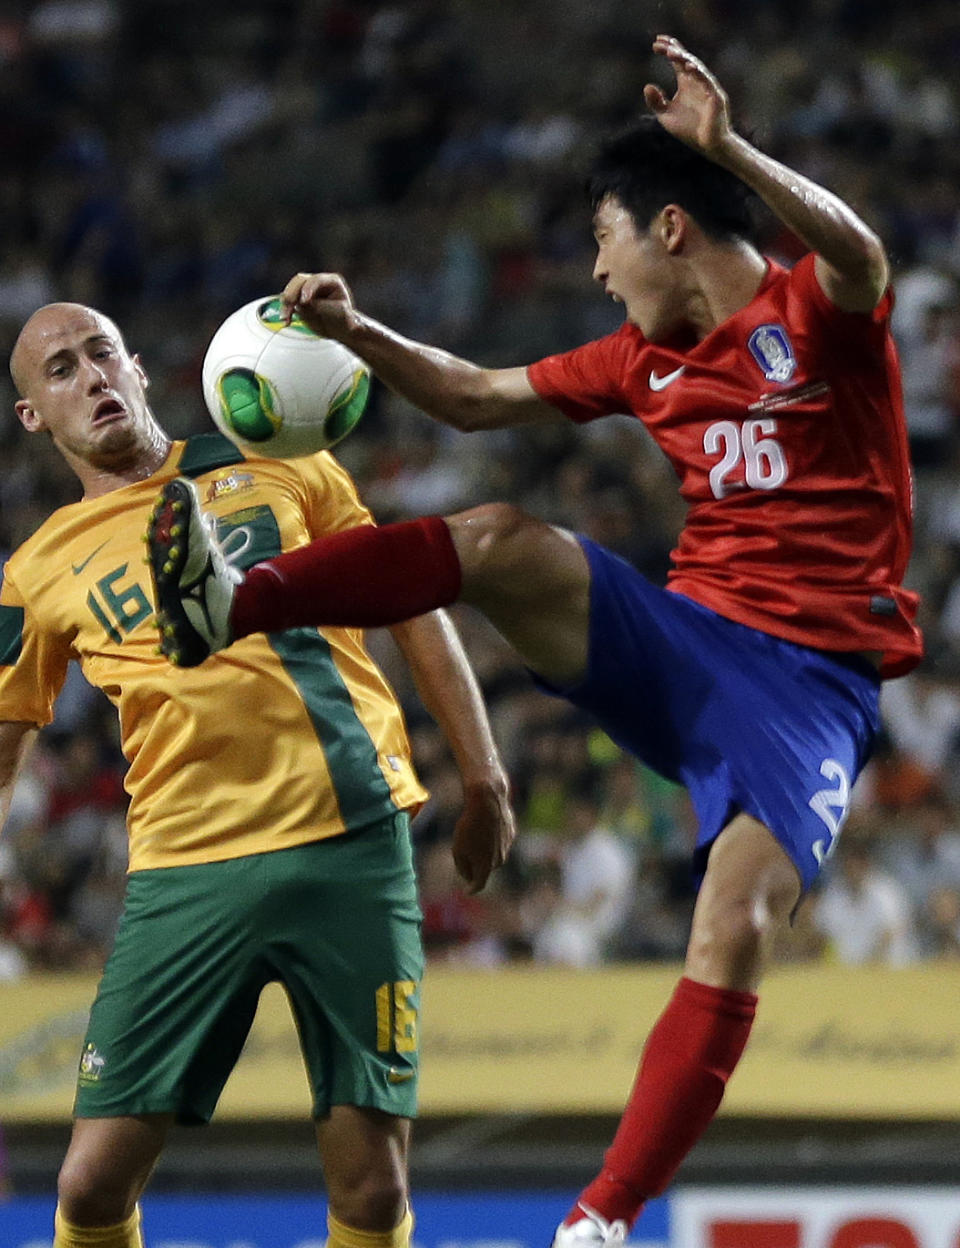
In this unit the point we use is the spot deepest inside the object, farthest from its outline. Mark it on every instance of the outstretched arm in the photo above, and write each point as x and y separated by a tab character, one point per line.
851	264
448	688
449	389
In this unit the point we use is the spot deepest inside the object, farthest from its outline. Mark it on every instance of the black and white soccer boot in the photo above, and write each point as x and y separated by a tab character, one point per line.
194	582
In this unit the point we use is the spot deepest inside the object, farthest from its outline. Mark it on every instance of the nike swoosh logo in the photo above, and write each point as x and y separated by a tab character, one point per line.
661	383
399	1076
78	567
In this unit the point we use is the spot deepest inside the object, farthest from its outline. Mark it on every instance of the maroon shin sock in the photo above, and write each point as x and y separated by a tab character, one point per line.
691	1052
363	578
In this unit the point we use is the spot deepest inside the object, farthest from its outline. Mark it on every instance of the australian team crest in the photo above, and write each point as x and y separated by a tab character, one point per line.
770	346
92	1063
231	483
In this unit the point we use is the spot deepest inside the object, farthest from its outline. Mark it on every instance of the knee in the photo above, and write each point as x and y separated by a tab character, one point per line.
735	928
372	1202
495	544
483	531
89	1197
733	933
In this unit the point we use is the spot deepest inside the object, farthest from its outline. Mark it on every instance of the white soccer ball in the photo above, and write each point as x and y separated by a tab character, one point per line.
281	390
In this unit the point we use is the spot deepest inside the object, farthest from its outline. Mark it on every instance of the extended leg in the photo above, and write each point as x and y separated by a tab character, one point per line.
750	888
532	580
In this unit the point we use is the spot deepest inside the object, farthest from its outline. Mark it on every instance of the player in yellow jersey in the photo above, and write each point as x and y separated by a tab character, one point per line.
270	797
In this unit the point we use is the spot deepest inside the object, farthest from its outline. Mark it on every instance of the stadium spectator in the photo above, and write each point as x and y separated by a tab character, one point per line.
923	855
864	913
457	928
931	378
587	907
942	922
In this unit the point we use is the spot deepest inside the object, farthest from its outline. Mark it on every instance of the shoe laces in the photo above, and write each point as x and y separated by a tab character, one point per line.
230	551
614	1232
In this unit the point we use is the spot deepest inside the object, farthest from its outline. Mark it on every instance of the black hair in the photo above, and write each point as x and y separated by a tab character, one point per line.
646	168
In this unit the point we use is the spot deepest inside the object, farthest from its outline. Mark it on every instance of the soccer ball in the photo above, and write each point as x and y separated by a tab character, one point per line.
281	390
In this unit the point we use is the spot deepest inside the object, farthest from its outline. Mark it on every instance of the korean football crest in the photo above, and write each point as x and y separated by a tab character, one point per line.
770	346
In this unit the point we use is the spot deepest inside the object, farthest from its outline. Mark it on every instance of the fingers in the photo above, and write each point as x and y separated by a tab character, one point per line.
482	838
476	867
476	863
303	288
473	874
654	98
290	296
668	46
682	60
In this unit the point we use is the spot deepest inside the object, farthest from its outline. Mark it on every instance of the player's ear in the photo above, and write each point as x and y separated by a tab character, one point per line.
672	227
141	371
29	417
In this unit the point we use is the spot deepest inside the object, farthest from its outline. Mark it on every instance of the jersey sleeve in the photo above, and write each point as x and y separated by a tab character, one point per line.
33	665
584	383
840	326
331	499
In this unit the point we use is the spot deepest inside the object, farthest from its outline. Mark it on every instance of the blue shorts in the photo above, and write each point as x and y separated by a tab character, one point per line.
746	721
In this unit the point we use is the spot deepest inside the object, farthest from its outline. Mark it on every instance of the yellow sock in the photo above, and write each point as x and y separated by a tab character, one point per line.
121	1235
347	1237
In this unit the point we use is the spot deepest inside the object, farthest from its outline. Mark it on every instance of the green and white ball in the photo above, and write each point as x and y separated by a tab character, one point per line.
281	390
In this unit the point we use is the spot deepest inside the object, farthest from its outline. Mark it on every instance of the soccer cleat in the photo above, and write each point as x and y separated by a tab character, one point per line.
591	1231
193	581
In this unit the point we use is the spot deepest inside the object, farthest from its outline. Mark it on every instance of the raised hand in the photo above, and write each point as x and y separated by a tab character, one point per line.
698	112
321	300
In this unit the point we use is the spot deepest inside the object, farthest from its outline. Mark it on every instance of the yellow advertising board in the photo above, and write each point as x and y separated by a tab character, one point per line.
828	1042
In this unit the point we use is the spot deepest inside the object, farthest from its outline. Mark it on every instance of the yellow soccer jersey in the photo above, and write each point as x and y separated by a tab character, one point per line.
277	741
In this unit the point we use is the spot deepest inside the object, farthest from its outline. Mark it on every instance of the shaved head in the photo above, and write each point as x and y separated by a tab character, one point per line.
80	385
40	334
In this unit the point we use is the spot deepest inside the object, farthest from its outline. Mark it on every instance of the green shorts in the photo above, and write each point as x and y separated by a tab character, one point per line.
337	922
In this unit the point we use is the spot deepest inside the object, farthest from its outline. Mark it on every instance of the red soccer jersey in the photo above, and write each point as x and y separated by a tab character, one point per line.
785	428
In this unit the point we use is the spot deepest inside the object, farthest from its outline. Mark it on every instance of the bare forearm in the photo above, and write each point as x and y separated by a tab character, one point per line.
486	827
819	218
449	389
448	689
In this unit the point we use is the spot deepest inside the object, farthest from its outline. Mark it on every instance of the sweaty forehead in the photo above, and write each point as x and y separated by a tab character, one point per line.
609	212
57	330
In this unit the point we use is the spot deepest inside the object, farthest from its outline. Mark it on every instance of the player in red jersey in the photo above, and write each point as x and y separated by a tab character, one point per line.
754	677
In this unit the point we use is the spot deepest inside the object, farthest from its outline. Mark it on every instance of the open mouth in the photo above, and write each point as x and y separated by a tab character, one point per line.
108	409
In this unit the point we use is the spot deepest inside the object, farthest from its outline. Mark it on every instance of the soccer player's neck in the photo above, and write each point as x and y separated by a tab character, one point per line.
705	285
105	474
725	279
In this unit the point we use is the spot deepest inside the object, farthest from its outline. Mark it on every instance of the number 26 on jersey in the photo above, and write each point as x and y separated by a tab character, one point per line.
750	444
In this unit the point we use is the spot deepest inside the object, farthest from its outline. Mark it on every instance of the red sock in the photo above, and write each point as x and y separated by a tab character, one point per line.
361	578
688	1058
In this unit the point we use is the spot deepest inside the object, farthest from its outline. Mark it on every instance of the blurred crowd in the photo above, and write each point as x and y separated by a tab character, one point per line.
168	161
